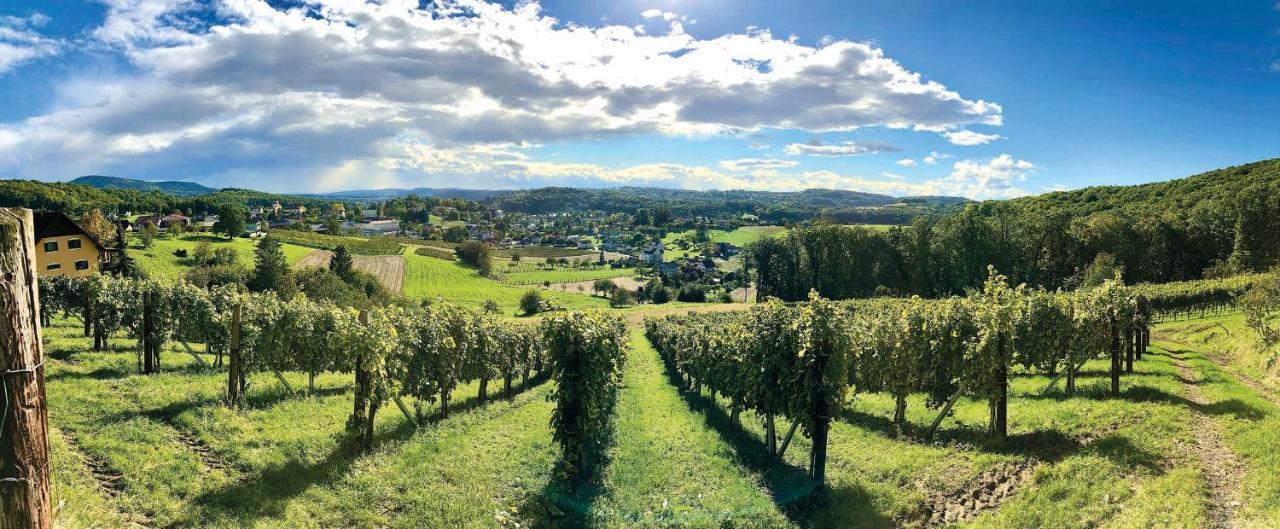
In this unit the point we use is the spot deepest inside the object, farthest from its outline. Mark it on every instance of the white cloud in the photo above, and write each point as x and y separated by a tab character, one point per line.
907	162
333	85
651	13
749	164
21	43
847	148
933	157
969	138
994	178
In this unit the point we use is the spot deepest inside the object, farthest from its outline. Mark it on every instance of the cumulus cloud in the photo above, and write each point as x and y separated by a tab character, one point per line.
236	88
20	42
969	138
993	178
907	162
847	148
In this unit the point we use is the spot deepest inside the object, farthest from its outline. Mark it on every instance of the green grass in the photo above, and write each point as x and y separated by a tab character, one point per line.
432	278
1097	461
738	237
159	262
1248	420
564	275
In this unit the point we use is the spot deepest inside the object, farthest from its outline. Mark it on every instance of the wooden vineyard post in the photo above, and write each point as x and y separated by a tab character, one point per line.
1115	358
1001	404
1128	350
148	357
233	372
25	500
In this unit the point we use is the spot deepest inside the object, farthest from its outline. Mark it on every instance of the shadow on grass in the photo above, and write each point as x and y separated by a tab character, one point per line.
796	495
1142	394
268	493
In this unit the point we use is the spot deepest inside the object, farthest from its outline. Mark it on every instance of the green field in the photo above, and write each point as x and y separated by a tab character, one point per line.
183	460
563	275
159	262
433	278
739	237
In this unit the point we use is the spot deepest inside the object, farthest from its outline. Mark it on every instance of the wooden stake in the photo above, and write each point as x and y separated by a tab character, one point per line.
25	500
193	354
233	371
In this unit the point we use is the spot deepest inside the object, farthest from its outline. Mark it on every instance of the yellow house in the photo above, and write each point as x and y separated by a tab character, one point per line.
63	248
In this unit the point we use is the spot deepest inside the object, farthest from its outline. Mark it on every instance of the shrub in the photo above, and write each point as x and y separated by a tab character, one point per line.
658	294
621	298
531	302
693	294
477	255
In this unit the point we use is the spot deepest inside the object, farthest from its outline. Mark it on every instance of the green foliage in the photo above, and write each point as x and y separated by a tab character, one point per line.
429	251
531	302
231	220
587	352
356	245
341	263
477	255
271	269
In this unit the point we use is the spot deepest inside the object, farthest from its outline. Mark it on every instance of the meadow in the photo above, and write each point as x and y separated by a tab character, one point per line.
159	260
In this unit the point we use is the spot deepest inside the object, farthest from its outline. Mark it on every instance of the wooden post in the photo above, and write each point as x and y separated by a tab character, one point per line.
233	371
1115	358
1128	350
148	357
25	500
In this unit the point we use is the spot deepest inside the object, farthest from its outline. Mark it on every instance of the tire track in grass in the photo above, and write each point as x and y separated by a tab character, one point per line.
1220	467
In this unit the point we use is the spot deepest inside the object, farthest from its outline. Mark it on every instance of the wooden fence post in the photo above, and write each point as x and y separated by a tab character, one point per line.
148	357
25	500
233	372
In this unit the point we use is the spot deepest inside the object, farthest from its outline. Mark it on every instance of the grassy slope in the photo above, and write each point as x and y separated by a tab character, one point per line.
1249	422
160	263
563	275
738	237
431	278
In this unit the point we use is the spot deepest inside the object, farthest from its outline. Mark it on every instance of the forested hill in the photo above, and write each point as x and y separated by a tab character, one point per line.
172	187
778	207
1213	189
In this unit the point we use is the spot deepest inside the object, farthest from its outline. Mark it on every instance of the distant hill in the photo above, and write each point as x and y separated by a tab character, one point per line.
171	187
361	195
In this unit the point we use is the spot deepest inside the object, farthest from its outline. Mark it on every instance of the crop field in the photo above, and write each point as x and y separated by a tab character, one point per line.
389	269
161	450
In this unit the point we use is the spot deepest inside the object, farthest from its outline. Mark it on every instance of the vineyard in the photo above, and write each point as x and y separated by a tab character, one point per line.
1006	408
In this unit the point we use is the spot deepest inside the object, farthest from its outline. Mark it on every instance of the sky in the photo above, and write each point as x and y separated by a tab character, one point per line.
982	99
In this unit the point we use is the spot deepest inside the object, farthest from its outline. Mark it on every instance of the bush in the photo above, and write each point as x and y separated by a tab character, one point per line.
180	253
621	298
218	275
604	286
658	294
693	294
477	255
531	303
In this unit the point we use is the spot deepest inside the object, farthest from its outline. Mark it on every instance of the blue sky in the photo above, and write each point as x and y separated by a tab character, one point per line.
981	99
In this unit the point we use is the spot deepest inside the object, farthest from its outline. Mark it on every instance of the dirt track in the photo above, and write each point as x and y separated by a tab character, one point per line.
389	269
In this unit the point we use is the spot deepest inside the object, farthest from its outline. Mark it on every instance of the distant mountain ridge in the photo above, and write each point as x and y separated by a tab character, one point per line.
172	186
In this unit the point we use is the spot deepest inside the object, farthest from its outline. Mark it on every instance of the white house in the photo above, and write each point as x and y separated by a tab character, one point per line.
379	227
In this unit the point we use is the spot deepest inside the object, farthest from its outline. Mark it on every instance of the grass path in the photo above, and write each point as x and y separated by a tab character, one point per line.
669	468
1218	464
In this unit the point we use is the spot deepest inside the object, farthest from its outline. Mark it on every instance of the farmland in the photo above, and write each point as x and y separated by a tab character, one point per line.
433	278
389	269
